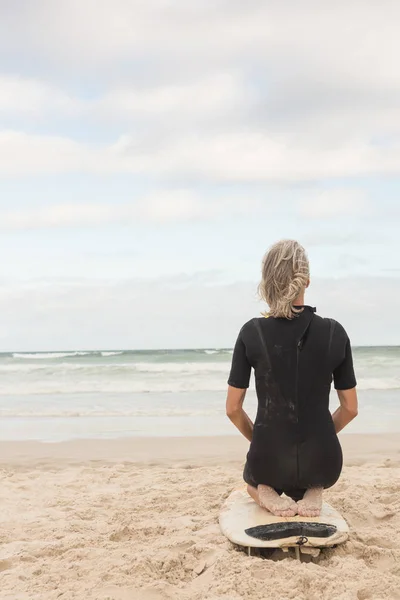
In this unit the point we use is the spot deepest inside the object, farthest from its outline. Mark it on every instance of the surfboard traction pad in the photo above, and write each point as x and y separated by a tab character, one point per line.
278	532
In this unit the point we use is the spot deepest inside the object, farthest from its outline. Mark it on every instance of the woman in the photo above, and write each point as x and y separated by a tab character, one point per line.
295	355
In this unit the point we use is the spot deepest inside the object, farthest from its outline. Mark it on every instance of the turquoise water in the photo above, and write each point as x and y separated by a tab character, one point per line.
113	393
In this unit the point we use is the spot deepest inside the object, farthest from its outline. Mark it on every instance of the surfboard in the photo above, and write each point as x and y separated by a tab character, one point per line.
245	523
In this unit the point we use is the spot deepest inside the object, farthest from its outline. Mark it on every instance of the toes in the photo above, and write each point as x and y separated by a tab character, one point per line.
293	510
285	513
305	510
309	513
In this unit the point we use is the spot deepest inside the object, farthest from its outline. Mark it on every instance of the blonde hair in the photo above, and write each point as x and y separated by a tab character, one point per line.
285	274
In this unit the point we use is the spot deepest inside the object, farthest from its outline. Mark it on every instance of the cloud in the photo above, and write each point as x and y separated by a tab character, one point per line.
176	312
306	61
213	29
162	206
215	93
334	203
209	96
244	156
29	154
339	238
187	204
23	95
222	91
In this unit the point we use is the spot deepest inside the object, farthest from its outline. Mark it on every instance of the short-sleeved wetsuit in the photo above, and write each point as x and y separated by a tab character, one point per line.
294	445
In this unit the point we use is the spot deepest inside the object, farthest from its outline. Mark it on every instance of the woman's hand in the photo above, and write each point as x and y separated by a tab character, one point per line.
235	412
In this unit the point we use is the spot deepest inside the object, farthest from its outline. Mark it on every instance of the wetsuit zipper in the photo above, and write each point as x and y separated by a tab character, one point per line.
300	345
297	409
297	380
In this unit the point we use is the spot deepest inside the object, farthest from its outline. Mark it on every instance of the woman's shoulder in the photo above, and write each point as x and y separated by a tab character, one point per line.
335	326
250	325
253	327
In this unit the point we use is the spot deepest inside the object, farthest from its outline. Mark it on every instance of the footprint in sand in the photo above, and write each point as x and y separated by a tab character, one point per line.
129	593
123	535
5	565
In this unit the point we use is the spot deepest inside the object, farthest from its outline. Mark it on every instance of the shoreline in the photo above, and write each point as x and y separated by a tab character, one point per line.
358	448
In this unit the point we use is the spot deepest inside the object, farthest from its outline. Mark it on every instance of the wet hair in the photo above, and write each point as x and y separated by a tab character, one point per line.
285	274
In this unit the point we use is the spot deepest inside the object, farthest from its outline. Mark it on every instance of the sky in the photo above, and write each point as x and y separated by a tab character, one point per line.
151	152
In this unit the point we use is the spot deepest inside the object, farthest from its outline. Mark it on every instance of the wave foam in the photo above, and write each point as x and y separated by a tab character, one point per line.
188	367
48	355
88	413
114	369
104	384
379	384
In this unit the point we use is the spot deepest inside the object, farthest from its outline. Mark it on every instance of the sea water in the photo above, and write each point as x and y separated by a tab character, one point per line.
56	396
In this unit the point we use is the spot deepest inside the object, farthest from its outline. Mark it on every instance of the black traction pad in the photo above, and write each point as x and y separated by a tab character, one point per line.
277	531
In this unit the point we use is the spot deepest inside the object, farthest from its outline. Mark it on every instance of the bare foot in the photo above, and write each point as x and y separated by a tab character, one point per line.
274	503
311	504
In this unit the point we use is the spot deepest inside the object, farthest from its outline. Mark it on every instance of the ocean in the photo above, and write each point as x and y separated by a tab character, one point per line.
55	396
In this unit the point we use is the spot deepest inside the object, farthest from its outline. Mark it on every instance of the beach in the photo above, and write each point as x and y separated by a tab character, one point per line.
137	519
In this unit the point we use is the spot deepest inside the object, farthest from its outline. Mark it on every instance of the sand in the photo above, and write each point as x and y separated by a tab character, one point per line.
138	520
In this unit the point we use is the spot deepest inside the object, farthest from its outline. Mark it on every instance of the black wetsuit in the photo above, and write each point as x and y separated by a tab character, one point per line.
294	445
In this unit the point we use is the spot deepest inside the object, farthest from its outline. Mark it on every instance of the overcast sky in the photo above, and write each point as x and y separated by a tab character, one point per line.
150	152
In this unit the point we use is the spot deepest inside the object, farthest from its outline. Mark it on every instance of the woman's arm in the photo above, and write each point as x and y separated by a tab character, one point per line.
347	410
235	412
345	383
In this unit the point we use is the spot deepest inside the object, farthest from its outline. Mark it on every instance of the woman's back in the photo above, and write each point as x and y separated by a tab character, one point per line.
294	361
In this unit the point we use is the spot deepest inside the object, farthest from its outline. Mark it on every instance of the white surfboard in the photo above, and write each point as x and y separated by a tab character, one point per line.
245	523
